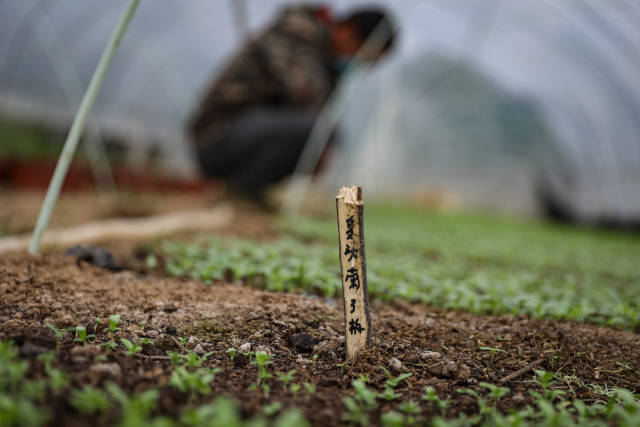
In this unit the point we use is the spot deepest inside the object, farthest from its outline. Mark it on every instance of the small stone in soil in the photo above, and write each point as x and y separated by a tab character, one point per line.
169	308
411	358
191	343
171	330
395	365
450	369
85	351
265	349
430	355
518	398
302	360
245	348
151	333
303	343
463	372
110	369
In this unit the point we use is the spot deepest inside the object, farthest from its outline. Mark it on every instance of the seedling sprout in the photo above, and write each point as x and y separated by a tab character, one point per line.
232	353
59	334
132	348
114	321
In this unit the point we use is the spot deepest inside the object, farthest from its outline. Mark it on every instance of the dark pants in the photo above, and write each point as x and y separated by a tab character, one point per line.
259	148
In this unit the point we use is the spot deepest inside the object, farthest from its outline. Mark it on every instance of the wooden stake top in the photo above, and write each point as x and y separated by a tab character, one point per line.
350	195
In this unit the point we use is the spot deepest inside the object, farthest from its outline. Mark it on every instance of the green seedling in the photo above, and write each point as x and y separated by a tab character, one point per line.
193	382
34	390
586	412
271	409
515	418
183	343
151	262
495	392
411	410
114	321
47	357
391	383
430	395
192	360
96	323
109	345
393	419
232	353
58	380
18	411
132	348
135	409
249	355
363	395
624	407
545	380
314	359
81	334
174	357
286	378
12	373
8	352
221	412
262	361
142	325
483	404
59	334
145	341
17	394
295	388
291	418
355	412
100	358
266	389
554	415
389	394
493	351
311	388
89	400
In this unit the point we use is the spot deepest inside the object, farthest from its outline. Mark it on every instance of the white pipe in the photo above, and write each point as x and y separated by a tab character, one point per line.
76	128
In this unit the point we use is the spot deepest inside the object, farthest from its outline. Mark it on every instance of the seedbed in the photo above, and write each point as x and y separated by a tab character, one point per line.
232	330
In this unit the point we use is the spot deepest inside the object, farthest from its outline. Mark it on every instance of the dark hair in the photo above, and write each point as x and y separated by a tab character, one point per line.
365	22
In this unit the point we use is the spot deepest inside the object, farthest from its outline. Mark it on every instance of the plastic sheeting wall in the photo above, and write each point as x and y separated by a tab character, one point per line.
567	71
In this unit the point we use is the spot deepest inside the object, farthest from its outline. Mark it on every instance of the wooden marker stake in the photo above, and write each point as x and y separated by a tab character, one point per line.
357	322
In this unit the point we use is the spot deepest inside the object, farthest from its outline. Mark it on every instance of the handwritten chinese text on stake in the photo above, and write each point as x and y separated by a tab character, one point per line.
350	206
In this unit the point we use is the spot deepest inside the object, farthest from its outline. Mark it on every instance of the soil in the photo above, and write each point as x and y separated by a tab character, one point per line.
440	348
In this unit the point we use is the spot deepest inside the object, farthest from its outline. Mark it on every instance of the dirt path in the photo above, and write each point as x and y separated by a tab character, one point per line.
20	209
440	348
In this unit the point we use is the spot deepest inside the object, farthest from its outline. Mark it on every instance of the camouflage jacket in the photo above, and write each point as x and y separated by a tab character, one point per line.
289	65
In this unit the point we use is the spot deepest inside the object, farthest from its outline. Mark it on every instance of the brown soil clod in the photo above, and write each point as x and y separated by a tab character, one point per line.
303	343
